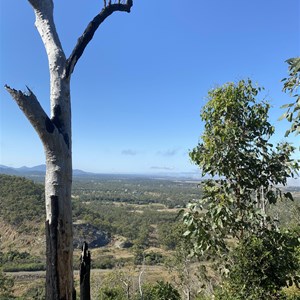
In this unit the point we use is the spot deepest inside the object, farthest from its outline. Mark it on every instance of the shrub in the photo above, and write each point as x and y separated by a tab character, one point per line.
263	265
115	293
104	262
160	291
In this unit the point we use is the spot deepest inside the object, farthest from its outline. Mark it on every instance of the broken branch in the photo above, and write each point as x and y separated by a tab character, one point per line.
90	30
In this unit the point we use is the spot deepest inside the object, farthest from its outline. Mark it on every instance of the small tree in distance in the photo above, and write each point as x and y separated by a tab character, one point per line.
55	134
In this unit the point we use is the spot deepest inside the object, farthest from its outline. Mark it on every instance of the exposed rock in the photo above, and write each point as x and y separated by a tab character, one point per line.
125	244
121	242
94	236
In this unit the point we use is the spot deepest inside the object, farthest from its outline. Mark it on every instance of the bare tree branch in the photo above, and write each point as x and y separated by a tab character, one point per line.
34	112
90	30
44	23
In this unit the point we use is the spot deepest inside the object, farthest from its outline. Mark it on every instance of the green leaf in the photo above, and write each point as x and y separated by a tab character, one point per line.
282	117
289	117
187	233
287	105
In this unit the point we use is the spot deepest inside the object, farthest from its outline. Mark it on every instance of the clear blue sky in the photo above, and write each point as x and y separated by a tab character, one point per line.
138	89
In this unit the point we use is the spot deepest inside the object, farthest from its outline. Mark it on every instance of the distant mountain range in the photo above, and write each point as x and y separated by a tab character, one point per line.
39	170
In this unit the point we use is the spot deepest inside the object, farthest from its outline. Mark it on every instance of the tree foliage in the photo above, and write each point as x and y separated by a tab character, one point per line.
263	265
291	86
245	171
160	291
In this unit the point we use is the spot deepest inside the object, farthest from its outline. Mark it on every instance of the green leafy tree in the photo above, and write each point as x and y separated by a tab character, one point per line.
247	170
291	86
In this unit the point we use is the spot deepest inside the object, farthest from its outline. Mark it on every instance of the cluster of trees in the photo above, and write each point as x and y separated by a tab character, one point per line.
132	223
136	190
231	225
22	206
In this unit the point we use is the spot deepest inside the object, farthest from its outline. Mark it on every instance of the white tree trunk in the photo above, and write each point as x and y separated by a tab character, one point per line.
55	134
59	235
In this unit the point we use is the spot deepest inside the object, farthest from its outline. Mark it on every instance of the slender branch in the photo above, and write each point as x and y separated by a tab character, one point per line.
90	30
34	112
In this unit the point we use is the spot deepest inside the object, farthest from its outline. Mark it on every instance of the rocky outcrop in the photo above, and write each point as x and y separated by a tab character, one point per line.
94	236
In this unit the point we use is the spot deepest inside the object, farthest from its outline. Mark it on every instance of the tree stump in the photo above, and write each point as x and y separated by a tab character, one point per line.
85	272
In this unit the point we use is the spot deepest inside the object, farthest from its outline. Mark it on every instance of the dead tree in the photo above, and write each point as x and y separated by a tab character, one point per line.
55	134
85	273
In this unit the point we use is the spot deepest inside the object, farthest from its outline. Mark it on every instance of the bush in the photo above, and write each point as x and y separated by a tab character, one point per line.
262	266
153	258
160	291
115	293
104	262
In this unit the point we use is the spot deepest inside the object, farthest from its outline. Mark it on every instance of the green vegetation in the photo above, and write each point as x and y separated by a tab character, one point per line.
13	261
160	291
153	226
135	190
263	265
291	86
22	205
21	201
132	222
231	225
6	286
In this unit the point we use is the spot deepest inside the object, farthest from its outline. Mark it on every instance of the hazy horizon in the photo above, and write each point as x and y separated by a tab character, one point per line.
138	90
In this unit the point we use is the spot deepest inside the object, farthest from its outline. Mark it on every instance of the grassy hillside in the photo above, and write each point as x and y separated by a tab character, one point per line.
22	216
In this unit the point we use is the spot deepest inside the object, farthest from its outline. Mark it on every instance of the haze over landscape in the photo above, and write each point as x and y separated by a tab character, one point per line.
138	90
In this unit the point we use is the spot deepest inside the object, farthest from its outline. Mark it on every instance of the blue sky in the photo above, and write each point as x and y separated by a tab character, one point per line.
139	87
